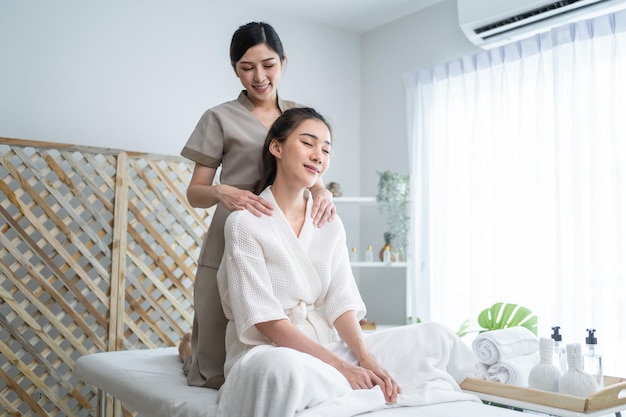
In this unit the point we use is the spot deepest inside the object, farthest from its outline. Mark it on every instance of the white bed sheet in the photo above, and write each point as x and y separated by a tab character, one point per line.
151	382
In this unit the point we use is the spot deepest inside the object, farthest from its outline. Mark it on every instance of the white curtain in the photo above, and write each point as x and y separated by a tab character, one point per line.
519	182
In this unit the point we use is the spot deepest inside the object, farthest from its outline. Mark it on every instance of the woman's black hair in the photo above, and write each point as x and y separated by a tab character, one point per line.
280	130
253	34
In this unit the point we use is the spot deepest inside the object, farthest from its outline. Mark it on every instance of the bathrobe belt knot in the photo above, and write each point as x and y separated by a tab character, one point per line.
299	313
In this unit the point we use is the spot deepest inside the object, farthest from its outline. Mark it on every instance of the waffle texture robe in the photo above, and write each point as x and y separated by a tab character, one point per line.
268	273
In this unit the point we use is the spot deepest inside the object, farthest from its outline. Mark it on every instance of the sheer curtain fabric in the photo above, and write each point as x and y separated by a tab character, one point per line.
519	183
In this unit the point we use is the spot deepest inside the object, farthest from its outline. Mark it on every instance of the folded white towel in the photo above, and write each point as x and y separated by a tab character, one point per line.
513	371
502	344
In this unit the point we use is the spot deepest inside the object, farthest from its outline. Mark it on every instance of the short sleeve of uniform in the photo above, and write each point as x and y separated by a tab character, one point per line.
206	143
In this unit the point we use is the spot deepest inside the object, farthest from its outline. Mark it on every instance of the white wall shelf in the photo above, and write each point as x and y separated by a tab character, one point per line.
357	200
385	286
379	264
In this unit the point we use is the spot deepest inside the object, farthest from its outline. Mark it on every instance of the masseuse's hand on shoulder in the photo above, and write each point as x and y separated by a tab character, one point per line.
202	193
234	198
323	209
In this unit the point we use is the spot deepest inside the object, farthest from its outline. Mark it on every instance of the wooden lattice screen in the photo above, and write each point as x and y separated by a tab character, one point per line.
98	252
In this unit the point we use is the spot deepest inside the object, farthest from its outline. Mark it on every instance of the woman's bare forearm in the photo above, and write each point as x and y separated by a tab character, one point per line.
202	195
350	331
283	333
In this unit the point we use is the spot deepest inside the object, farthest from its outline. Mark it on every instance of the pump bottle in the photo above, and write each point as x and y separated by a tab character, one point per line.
559	354
592	360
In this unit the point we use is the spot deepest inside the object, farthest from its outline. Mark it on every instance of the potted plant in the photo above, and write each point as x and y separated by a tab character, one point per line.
393	195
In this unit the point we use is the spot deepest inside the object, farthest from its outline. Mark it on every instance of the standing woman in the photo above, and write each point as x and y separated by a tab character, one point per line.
232	135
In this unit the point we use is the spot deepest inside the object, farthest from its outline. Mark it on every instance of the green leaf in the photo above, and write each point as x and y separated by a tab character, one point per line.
483	319
464	329
521	314
501	316
531	324
504	317
487	318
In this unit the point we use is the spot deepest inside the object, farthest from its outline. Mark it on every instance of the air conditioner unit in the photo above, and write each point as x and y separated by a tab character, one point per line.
491	23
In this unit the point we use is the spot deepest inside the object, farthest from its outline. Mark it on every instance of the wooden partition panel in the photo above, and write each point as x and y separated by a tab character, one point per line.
98	252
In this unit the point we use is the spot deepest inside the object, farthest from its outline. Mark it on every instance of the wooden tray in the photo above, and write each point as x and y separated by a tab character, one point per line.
611	398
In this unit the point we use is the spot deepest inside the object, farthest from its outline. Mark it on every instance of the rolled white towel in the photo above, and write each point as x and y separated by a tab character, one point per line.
479	371
502	344
513	371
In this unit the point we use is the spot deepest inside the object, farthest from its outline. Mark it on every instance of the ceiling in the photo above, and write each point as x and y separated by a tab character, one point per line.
351	15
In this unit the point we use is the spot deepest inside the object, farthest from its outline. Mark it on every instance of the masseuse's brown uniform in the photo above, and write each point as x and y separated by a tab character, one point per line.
229	135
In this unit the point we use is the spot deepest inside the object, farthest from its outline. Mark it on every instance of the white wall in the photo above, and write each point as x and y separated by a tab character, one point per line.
423	39
138	75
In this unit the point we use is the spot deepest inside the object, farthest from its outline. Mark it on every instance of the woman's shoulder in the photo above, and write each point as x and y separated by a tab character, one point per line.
242	106
241	218
242	223
333	229
235	107
225	108
288	104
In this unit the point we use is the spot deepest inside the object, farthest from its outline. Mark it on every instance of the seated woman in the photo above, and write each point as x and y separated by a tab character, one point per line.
293	340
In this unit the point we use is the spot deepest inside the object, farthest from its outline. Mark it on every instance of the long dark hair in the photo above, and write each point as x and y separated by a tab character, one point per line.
253	34
280	130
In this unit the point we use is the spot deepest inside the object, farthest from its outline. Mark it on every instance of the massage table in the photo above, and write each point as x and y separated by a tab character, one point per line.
151	382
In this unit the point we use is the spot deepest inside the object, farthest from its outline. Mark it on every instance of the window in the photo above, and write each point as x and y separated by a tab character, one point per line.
519	170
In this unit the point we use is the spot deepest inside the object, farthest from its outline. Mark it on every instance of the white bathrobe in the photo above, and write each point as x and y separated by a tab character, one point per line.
269	273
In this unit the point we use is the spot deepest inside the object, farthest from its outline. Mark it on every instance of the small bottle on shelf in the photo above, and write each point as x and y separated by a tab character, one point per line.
369	254
387	255
354	257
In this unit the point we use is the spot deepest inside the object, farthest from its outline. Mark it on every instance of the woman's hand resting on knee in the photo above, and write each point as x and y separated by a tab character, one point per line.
369	373
360	377
387	384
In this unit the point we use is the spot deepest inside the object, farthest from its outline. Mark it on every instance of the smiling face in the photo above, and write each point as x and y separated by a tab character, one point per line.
305	155
259	71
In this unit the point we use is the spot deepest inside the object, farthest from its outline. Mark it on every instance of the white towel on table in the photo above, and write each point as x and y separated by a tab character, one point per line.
502	344
513	371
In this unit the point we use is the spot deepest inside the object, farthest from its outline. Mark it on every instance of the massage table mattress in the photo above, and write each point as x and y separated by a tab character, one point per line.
151	382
